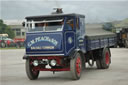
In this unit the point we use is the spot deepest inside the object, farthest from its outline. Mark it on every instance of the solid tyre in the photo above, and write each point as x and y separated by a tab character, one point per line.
106	59
76	67
31	73
98	64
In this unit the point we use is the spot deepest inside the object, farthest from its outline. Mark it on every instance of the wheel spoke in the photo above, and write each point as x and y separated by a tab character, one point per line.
107	58
34	71
78	65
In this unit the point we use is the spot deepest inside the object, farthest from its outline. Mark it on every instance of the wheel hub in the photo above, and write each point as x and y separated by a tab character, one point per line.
78	65
107	58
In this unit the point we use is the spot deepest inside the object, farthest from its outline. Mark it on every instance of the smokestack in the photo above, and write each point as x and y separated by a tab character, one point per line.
58	11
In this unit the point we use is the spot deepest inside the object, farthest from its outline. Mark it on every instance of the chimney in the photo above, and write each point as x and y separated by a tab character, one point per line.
58	11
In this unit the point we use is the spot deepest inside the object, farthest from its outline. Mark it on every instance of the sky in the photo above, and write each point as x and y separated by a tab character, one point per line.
94	10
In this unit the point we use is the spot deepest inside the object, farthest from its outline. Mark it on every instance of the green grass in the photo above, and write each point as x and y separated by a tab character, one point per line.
11	48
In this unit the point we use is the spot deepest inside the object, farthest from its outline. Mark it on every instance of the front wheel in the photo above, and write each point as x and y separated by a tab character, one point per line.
31	73
76	66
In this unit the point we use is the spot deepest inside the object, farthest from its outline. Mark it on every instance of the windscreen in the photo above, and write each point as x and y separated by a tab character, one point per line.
51	25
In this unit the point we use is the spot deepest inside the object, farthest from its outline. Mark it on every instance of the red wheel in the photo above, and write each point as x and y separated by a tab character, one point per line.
31	73
76	66
105	60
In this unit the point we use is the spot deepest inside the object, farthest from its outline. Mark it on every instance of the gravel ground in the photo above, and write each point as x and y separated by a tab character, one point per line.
12	71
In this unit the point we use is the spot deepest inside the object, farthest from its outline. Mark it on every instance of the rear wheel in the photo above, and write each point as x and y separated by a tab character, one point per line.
104	61
76	66
98	64
31	73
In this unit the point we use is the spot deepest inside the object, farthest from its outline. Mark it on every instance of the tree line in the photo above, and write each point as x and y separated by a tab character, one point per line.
5	29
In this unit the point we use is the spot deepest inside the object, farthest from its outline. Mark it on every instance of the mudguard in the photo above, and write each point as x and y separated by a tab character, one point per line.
73	53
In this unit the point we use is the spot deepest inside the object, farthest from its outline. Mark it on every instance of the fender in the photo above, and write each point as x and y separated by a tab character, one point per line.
73	53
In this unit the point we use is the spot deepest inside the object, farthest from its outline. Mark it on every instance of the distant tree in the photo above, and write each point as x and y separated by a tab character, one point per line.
6	29
1	21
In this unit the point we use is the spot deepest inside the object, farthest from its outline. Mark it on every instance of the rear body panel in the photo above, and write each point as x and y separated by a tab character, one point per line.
97	42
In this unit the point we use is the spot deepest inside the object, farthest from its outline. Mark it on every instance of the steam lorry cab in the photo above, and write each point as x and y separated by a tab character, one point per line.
60	42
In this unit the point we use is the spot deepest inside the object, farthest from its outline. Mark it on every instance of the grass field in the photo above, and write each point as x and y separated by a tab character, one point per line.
11	48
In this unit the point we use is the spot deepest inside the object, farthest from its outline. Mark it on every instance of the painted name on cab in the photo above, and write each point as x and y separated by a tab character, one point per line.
43	38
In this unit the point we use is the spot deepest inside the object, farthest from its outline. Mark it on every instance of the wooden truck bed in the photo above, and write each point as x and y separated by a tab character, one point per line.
97	37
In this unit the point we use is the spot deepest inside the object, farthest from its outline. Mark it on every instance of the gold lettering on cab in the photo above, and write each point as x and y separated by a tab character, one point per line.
43	38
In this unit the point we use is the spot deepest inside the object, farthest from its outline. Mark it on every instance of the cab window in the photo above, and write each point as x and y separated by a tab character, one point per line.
77	23
69	25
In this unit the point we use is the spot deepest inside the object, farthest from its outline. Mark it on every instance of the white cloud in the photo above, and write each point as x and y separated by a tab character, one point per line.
94	10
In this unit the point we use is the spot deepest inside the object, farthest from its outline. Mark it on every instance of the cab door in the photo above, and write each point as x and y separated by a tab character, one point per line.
80	34
69	35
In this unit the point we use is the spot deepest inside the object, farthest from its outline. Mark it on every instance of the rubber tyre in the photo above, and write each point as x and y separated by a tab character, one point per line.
98	64
106	59
76	67
32	75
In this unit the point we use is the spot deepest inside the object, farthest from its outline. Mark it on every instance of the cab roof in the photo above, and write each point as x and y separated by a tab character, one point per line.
42	17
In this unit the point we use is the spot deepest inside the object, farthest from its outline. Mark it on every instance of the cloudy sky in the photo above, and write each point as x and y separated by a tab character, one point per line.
94	10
